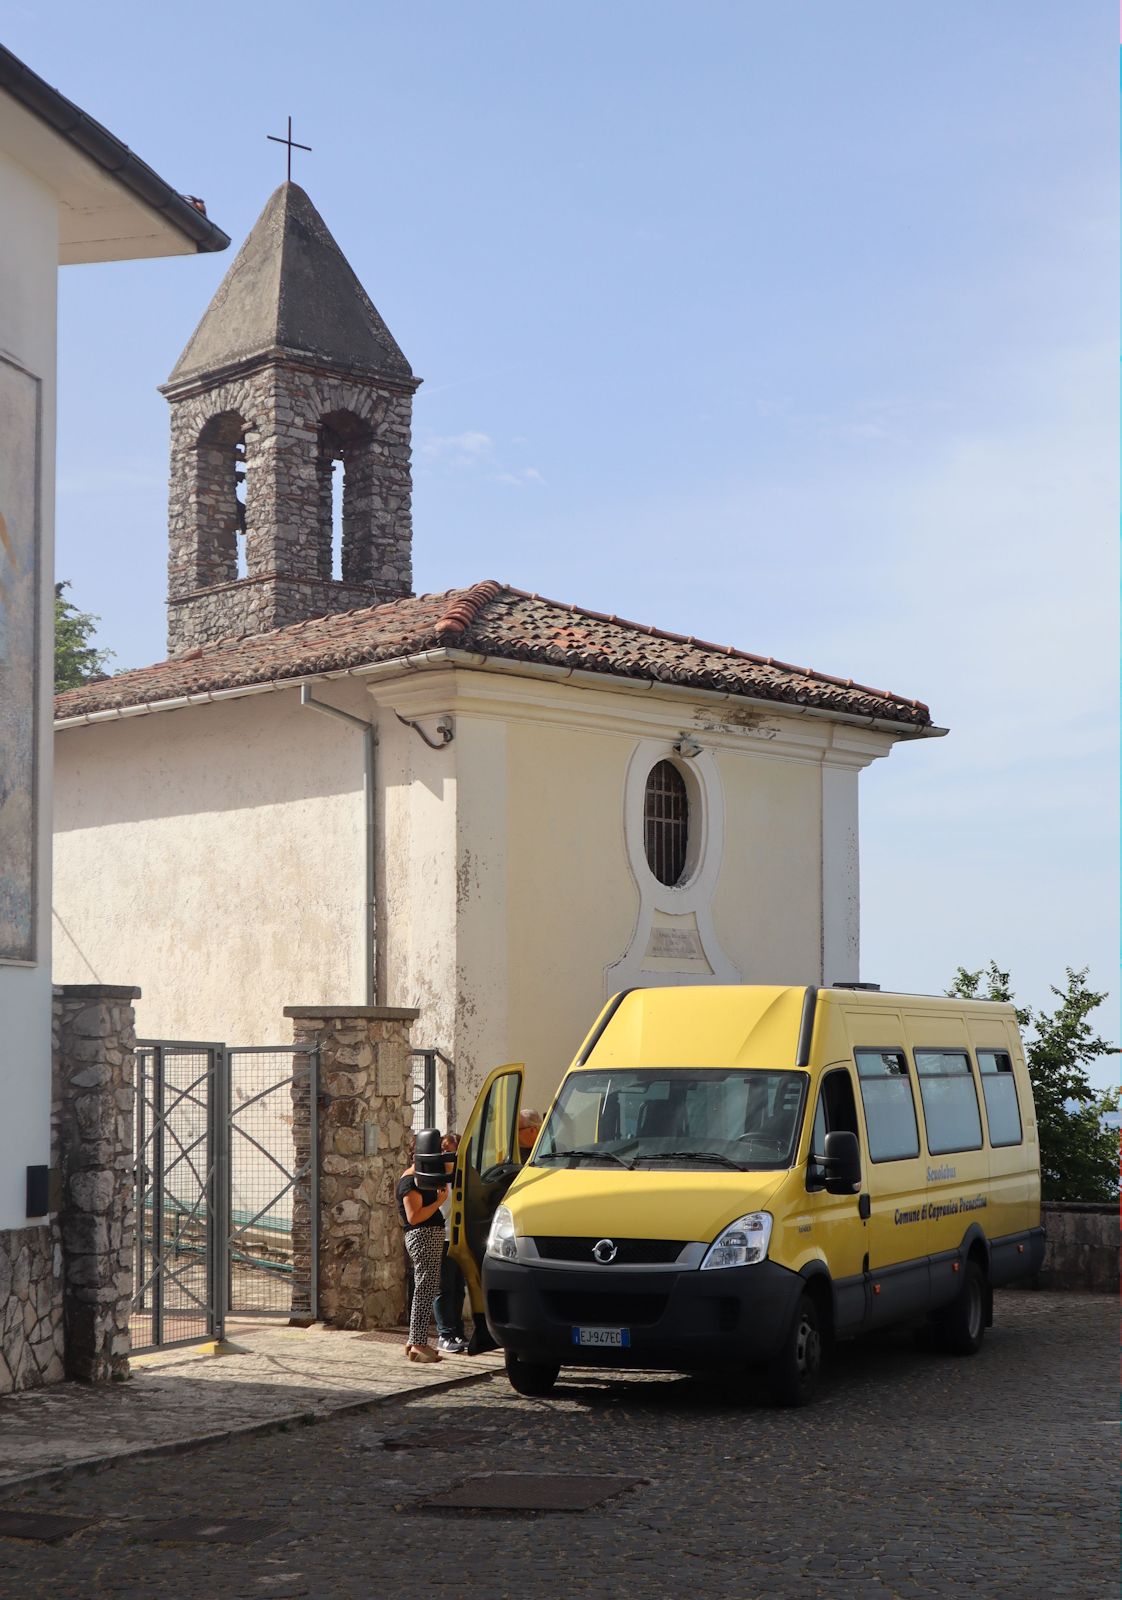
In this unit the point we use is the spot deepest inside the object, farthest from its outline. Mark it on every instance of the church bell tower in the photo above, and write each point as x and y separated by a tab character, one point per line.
290	383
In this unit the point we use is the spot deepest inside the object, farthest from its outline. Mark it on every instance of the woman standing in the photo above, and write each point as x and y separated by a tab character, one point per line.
419	1210
448	1307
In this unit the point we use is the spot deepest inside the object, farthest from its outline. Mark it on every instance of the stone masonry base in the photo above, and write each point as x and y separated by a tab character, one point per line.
365	1083
31	1338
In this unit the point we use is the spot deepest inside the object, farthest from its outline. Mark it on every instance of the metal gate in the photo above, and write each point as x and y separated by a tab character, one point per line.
178	1138
273	1182
226	1187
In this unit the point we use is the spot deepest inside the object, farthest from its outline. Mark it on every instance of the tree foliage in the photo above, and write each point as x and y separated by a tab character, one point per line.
77	658
1078	1155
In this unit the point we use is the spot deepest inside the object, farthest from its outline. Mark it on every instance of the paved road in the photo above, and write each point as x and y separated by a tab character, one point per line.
917	1475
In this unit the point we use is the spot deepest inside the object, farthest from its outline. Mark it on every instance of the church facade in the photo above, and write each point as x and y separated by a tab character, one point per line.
524	806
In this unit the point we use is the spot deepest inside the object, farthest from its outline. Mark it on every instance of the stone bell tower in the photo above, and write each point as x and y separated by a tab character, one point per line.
290	372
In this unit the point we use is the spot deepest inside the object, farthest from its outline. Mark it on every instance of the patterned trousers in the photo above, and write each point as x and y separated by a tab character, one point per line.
426	1248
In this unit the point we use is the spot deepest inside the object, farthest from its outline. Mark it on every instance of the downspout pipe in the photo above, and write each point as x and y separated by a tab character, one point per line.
368	741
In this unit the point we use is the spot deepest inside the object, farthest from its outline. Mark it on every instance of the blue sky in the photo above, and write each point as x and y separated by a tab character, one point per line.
784	325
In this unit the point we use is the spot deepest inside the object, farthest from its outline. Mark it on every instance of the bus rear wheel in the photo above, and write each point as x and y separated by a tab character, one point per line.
961	1326
533	1378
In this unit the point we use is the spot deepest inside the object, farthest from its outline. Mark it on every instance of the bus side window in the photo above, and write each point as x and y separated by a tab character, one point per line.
999	1088
836	1113
818	1136
841	1108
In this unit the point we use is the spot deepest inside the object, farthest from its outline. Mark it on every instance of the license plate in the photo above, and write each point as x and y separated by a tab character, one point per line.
602	1338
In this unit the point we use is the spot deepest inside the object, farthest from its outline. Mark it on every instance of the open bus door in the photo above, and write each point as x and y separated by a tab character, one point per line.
487	1163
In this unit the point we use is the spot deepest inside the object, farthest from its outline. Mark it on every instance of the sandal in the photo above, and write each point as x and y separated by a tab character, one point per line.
422	1352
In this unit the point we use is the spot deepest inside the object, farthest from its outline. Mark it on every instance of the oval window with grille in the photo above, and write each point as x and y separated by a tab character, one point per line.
666	821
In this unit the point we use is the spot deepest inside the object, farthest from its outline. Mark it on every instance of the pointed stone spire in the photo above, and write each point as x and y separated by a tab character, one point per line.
291	292
290	373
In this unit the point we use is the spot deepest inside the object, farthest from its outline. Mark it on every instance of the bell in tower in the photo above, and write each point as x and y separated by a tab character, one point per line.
290	382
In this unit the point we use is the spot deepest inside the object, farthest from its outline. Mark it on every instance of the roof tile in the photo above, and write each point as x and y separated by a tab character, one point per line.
497	621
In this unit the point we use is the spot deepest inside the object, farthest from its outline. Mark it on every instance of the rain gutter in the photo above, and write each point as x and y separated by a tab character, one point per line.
433	660
79	129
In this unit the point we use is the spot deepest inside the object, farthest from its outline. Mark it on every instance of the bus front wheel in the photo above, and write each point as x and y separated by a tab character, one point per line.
533	1378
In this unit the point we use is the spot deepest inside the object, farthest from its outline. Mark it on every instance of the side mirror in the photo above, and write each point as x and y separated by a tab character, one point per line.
842	1163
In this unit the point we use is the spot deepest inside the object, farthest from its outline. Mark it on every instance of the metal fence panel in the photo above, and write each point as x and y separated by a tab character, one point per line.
227	1190
272	1188
178	1154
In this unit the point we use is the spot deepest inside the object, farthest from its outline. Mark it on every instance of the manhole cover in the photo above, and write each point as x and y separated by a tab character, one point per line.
205	1530
41	1525
520	1491
384	1338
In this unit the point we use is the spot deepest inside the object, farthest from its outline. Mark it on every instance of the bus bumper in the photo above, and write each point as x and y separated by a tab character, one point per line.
675	1321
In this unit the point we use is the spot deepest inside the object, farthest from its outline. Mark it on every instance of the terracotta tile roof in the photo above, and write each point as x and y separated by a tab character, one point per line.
497	621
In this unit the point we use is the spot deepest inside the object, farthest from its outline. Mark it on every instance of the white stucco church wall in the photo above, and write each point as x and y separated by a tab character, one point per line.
218	851
555	904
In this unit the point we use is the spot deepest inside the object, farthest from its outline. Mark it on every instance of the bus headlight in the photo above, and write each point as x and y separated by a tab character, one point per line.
740	1244
501	1241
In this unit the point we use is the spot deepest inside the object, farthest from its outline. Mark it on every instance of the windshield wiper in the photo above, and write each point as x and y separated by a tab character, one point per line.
692	1155
585	1151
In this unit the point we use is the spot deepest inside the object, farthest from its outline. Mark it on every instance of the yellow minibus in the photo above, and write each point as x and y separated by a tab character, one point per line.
733	1177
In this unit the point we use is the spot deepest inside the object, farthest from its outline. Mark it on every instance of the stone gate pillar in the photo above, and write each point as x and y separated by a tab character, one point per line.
365	1095
93	1109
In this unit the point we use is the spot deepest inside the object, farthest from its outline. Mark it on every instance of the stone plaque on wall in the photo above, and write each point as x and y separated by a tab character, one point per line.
19	659
675	944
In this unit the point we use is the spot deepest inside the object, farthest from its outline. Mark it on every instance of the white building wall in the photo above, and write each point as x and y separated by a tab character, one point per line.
555	907
214	856
417	864
841	905
28	274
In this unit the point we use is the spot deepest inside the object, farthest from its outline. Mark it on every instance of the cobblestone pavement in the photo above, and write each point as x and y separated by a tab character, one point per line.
177	1396
917	1475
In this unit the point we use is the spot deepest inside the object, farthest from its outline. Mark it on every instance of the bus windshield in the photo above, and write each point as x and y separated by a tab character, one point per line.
675	1116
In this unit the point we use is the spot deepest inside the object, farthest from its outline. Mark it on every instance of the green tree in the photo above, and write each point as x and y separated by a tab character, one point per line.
77	658
1078	1155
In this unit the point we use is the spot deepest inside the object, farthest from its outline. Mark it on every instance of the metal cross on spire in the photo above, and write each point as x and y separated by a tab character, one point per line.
291	143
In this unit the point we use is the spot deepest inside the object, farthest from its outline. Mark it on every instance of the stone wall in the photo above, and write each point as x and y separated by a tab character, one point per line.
1082	1247
365	1096
31	1334
257	605
293	421
66	1284
93	1097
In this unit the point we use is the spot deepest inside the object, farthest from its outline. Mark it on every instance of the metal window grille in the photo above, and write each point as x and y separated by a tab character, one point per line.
424	1089
666	815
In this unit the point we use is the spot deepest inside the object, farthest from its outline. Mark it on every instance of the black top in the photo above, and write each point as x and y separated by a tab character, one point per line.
403	1187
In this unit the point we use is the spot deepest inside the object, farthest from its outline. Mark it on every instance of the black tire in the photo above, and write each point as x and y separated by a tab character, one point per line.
961	1326
793	1376
533	1378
